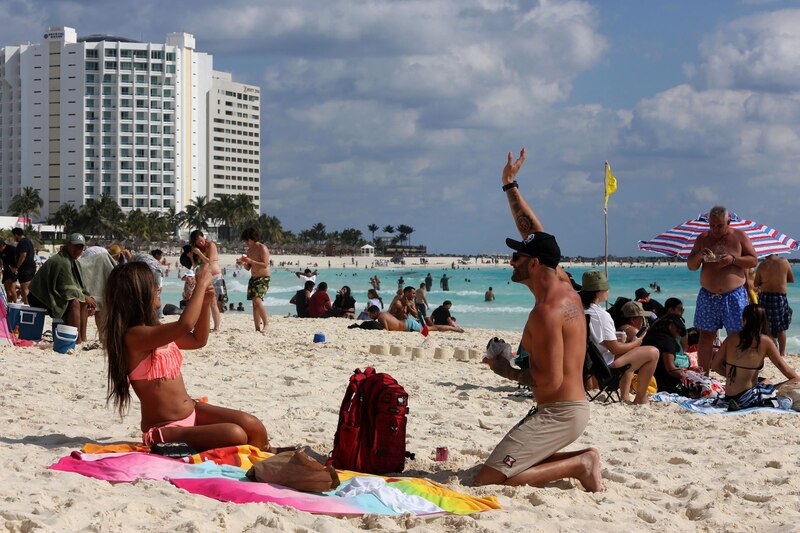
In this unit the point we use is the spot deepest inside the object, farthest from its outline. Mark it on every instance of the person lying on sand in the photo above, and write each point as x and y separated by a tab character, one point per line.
391	323
146	355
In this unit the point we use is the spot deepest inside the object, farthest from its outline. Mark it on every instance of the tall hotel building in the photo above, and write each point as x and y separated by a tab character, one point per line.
152	125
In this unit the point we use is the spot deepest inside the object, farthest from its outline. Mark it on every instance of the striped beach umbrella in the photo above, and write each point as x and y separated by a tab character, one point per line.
679	240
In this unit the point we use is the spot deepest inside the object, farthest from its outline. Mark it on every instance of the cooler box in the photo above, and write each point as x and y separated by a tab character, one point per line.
29	319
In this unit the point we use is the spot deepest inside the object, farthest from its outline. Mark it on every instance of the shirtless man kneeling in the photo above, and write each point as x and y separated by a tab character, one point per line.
555	338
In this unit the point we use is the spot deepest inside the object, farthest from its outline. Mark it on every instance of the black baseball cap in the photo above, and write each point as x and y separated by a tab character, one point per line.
672	318
641	293
540	245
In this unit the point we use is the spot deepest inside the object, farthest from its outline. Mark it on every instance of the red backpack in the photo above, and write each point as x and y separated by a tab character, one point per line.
371	436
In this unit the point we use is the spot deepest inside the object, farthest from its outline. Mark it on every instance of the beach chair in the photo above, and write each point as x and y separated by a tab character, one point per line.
595	366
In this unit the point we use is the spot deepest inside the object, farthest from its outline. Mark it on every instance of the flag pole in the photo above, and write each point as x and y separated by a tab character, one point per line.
605	215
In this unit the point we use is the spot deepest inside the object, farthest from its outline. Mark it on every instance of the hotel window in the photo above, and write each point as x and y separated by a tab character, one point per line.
111	65
170	56
111	52
156	54
91	53
126	53
92	65
140	54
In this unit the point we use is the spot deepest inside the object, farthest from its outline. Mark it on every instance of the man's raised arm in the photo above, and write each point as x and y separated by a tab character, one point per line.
525	219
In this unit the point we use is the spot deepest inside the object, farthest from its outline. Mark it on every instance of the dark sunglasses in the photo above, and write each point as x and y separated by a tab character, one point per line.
516	255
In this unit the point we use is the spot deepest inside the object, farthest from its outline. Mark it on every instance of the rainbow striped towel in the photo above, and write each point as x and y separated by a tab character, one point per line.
222	477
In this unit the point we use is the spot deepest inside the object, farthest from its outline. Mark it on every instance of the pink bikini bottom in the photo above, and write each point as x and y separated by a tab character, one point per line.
148	437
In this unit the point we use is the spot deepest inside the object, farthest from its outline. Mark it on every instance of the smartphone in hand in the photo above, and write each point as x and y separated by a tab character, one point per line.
641	332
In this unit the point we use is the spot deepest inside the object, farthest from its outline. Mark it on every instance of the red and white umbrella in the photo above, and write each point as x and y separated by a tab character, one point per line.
679	240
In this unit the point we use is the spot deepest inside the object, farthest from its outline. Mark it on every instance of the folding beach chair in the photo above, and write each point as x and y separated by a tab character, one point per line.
595	366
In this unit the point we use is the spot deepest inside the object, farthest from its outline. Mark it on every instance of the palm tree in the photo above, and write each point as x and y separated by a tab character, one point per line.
404	232
65	216
318	233
373	228
388	229
100	217
223	212
26	204
198	213
244	210
270	229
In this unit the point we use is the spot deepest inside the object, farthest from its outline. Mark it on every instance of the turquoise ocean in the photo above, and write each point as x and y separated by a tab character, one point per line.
510	309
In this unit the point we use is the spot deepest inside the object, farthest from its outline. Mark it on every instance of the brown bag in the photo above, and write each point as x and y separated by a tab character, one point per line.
295	470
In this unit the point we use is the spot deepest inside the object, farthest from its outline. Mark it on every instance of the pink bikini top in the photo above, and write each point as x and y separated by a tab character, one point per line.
161	363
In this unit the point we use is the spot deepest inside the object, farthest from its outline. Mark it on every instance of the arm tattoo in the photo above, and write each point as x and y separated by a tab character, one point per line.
524	224
570	311
523	221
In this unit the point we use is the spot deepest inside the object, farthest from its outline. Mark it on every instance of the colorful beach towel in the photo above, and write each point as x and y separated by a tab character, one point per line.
221	478
705	406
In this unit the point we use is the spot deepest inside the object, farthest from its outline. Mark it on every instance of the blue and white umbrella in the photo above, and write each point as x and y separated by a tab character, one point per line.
679	241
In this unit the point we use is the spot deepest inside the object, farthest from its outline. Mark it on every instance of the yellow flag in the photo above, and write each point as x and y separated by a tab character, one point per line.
611	184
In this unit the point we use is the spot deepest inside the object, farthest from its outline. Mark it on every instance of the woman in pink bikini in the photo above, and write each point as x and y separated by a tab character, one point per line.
146	355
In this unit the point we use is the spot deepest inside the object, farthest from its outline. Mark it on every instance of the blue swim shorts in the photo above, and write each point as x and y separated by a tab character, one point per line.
714	311
412	324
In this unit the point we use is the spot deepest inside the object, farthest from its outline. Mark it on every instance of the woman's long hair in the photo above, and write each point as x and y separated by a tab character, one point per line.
754	324
587	298
373	294
127	302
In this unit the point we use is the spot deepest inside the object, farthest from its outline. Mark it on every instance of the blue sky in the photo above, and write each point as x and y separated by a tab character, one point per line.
402	112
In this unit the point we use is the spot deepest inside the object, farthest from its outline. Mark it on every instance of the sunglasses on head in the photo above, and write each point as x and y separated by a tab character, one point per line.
516	255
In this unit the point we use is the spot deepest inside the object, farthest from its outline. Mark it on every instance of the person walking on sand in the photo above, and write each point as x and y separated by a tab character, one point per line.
724	253
772	276
257	262
145	355
555	338
206	255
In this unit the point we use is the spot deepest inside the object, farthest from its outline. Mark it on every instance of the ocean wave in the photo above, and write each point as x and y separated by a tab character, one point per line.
488	310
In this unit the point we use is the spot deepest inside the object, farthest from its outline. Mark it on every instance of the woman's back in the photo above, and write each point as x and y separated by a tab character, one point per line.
742	365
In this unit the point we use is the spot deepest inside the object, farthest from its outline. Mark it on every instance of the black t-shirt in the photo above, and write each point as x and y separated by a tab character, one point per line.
665	344
26	246
440	316
301	303
344	302
9	257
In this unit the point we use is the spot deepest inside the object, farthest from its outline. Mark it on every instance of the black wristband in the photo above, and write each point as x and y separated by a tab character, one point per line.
512	185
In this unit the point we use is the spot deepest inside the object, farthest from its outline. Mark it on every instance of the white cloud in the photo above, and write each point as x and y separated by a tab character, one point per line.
758	52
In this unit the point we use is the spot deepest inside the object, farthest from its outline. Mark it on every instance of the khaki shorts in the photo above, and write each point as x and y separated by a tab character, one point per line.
538	436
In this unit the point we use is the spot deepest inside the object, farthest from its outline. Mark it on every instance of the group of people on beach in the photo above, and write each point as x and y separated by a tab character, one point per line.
146	355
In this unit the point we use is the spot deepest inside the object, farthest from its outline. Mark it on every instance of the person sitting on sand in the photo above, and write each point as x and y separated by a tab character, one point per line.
665	334
320	302
301	298
634	318
373	299
58	286
741	356
441	315
643	359
344	305
392	323
145	355
405	306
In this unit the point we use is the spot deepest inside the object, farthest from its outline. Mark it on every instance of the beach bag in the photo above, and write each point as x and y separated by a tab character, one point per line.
371	435
295	470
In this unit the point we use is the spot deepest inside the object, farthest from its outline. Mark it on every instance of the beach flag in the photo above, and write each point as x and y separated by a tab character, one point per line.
611	184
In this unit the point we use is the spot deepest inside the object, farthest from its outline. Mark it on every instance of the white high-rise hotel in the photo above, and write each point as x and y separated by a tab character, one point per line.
152	125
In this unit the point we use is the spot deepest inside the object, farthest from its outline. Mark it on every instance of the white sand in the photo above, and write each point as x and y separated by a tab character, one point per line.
665	469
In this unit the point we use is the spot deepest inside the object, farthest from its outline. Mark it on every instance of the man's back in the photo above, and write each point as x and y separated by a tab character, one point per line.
773	273
555	337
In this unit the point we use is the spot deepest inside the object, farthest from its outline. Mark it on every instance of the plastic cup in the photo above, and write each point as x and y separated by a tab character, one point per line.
442	454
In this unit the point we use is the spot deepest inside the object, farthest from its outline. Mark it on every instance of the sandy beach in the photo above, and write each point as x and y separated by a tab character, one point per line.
664	468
